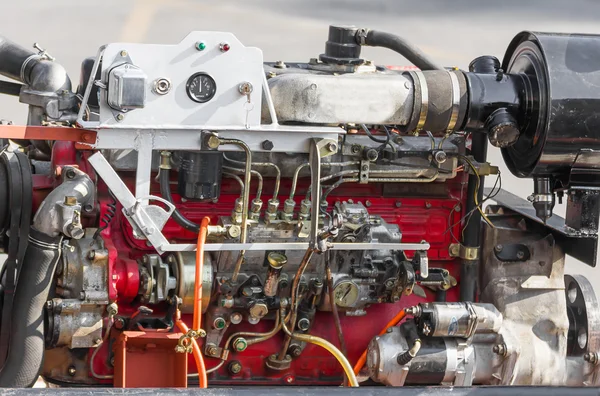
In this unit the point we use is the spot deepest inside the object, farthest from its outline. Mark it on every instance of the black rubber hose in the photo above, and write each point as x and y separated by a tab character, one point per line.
165	191
26	350
414	55
40	74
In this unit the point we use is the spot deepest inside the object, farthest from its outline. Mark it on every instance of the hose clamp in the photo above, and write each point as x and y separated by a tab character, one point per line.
24	66
455	101
361	36
424	100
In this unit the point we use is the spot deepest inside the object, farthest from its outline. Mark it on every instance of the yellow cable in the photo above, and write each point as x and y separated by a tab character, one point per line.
325	345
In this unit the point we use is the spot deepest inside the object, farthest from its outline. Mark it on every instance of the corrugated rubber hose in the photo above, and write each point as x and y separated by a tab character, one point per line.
26	348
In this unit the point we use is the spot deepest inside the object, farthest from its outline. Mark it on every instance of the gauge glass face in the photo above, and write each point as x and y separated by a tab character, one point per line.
345	294
201	87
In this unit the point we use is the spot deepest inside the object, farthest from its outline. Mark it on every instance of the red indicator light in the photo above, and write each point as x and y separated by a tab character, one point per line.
224	47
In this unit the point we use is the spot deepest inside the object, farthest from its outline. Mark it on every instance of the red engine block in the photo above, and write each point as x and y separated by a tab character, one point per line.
431	213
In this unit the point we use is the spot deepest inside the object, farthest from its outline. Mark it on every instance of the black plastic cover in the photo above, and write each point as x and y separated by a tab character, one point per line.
200	175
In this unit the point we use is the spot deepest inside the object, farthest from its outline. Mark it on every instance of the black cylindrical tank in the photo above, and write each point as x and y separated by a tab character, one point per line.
563	114
200	174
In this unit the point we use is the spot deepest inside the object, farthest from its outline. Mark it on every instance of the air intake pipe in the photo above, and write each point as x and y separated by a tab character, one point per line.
35	70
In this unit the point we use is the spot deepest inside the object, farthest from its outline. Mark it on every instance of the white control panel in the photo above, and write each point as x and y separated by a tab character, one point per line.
207	80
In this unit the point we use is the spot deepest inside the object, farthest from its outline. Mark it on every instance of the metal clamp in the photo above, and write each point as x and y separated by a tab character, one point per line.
463	252
455	101
424	100
184	345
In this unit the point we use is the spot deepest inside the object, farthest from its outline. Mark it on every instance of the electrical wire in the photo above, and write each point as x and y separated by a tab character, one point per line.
375	139
467	216
477	204
323	344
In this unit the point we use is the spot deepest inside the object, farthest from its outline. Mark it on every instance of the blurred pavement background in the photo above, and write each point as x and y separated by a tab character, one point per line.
451	32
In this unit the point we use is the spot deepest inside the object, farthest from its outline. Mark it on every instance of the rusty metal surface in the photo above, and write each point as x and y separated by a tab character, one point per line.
34	132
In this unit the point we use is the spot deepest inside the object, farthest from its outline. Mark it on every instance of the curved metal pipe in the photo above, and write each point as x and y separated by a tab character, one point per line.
265	164
245	201
259	188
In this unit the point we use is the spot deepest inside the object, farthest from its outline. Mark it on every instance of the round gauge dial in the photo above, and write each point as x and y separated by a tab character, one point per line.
201	87
345	294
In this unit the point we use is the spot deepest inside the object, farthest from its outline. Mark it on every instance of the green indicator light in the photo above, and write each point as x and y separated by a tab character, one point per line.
201	46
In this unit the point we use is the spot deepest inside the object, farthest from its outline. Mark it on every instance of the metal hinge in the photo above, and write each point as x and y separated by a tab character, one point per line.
464	252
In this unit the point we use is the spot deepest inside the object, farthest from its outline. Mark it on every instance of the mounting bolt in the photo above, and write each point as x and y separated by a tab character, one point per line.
236	318
499	349
219	323
212	350
267	145
428	205
498	248
304	324
240	344
213	142
591	357
368	203
389	330
91	254
70	173
289	379
440	157
520	255
398	204
72	371
234	367
295	350
332	147
123	53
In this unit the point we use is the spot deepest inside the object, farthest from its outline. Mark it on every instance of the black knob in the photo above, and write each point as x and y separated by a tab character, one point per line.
341	47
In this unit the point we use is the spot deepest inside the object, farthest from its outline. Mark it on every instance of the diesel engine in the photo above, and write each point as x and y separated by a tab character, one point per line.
191	215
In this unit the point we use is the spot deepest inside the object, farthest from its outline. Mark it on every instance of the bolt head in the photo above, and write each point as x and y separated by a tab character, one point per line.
398	204
240	344
72	371
520	255
213	142
70	173
332	147
498	248
235	367
120	117
267	145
